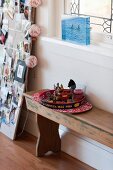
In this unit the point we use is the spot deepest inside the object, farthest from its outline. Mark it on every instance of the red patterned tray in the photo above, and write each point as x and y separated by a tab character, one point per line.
85	106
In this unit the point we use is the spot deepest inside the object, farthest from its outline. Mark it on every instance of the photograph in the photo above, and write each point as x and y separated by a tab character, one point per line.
20	71
12	115
17	91
22	3
27	47
8	115
8	100
25	25
4	93
5	115
9	42
1	3
18	22
15	58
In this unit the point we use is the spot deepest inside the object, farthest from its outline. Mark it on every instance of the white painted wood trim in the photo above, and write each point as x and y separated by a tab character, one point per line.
89	153
94	54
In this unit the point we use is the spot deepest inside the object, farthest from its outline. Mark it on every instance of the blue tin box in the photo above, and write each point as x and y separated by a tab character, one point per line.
76	30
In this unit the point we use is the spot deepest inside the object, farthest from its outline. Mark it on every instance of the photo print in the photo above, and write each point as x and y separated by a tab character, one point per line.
5	24
6	69
9	41
1	17
20	48
27	12
4	31
6	73
26	2
15	58
9	99
6	96
17	98
8	116
27	47
18	21
17	6
3	93
9	51
13	116
22	4
17	93
1	3
5	116
19	85
20	72
8	59
25	25
2	55
0	117
27	36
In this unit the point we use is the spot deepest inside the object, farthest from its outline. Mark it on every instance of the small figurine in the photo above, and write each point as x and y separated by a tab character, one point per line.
72	84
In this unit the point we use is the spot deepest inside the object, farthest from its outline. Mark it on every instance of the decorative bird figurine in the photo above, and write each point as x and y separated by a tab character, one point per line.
72	84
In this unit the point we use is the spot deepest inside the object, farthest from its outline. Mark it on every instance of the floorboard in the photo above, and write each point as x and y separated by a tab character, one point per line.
20	155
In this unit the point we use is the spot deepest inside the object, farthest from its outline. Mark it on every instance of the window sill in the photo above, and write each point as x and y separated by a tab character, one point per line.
99	54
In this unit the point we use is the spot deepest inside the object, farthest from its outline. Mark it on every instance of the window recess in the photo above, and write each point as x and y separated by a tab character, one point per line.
101	13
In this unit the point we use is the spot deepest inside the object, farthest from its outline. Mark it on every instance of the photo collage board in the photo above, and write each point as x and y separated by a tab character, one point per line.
15	48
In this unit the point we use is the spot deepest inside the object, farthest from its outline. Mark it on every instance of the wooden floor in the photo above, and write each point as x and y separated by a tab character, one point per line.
20	155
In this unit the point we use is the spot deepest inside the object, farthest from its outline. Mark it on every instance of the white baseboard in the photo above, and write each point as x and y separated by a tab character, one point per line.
86	150
90	152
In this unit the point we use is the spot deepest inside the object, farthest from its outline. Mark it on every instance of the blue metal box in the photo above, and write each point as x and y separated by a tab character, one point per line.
76	30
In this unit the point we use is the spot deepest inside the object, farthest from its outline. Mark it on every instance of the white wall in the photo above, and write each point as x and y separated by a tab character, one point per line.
92	65
48	17
58	62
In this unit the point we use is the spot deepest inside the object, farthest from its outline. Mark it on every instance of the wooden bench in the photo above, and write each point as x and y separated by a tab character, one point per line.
95	124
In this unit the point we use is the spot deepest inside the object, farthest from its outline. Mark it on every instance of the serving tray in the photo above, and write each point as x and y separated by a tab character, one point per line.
82	106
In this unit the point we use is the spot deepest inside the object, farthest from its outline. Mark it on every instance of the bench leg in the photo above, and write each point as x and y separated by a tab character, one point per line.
48	136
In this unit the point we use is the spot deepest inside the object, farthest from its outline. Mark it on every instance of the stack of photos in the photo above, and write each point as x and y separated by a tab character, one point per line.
15	47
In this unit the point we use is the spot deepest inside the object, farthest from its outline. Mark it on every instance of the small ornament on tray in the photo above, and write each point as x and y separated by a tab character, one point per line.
72	84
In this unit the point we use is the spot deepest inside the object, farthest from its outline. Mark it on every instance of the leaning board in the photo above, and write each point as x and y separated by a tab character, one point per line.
15	46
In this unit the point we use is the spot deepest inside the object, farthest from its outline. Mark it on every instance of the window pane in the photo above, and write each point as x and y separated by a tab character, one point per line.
100	8
97	10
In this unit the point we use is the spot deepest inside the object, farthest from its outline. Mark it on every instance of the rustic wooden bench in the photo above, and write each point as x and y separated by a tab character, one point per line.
95	124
